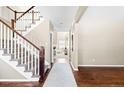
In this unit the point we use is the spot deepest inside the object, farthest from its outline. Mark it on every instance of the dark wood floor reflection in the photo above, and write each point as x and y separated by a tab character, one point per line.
99	77
20	84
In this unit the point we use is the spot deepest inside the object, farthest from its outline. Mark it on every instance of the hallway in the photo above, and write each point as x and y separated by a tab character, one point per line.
60	75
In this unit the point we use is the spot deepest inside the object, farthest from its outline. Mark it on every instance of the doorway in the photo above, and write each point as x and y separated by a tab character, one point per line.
62	45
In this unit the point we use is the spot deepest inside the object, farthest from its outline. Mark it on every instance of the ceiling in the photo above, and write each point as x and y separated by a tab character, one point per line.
60	16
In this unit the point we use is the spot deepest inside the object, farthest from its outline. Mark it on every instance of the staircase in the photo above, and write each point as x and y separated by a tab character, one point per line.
29	19
19	52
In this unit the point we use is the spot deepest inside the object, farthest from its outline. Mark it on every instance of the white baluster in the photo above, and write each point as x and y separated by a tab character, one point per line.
4	37
22	51
28	57
19	25
25	52
25	20
38	63
35	15
11	39
23	26
16	25
15	48
18	39
35	62
24	23
32	60
38	15
8	41
30	17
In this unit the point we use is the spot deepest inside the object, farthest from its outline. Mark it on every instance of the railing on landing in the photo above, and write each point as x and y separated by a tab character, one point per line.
28	54
25	19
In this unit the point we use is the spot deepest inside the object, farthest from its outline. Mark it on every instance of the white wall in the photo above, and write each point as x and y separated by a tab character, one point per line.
6	14
101	36
73	46
7	72
0	10
40	36
55	38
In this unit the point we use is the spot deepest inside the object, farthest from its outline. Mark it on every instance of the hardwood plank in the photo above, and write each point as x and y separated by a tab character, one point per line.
99	77
20	84
85	77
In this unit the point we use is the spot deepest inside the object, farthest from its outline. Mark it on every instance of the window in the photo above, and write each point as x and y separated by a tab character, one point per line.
61	44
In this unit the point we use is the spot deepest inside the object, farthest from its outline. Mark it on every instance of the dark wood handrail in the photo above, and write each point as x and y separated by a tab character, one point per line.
28	12
20	11
10	9
20	35
25	12
14	11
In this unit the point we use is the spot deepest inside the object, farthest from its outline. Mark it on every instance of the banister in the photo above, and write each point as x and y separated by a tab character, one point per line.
10	9
14	11
29	12
25	12
20	35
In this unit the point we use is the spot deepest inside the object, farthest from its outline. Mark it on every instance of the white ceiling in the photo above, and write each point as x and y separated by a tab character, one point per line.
60	16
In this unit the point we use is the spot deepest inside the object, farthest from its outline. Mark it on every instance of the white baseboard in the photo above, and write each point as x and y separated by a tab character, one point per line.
100	65
75	69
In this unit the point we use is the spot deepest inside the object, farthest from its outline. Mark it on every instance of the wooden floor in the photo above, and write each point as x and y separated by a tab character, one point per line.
85	77
20	84
99	77
24	84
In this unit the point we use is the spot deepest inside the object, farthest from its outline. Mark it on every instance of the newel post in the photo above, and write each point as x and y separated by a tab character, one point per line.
13	23
32	16
42	64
